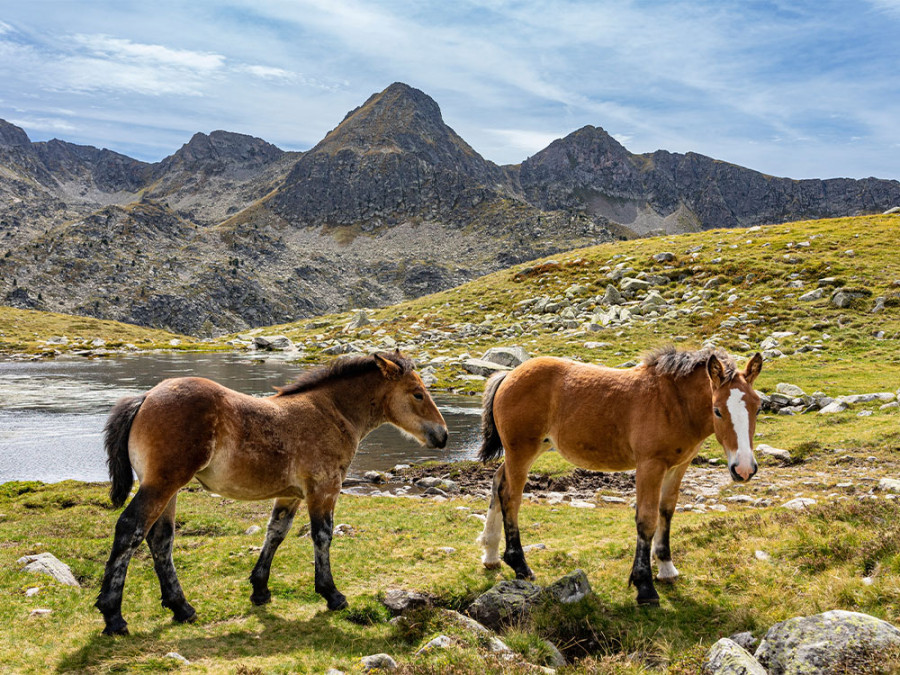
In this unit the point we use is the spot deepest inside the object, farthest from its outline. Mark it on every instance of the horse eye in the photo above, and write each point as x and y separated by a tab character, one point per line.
419	397
717	412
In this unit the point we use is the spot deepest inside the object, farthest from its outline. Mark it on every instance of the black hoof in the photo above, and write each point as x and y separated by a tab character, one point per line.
185	617
337	602
114	628
648	601
261	597
182	612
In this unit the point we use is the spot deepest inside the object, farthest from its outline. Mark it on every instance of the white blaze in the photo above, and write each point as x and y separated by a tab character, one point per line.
740	419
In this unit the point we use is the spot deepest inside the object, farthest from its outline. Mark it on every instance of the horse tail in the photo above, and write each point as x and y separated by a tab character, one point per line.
115	437
491	444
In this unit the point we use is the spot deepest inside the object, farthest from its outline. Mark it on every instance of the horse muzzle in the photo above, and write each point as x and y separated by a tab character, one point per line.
436	436
741	476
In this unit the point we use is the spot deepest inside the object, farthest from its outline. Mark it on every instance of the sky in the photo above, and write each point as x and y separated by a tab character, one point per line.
799	89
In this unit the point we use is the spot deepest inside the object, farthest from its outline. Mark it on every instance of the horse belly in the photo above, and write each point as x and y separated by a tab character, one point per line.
242	472
596	456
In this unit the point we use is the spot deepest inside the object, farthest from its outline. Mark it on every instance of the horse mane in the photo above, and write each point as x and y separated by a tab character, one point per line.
670	361
342	368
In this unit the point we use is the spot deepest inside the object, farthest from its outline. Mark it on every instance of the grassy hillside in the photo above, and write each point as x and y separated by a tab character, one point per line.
733	288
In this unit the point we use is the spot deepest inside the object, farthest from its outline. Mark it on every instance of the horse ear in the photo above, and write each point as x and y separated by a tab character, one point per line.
754	366
389	369
715	370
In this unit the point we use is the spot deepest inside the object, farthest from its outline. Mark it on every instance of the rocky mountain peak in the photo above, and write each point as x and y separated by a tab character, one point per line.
220	148
400	119
12	136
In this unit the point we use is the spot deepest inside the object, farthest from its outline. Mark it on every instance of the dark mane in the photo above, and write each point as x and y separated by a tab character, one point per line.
670	361
342	368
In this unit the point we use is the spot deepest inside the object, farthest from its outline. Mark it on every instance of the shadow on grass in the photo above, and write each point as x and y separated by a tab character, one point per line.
277	636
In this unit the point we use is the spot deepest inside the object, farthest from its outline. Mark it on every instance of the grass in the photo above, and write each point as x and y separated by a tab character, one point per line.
820	559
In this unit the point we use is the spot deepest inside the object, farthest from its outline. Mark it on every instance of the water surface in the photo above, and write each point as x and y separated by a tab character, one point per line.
52	412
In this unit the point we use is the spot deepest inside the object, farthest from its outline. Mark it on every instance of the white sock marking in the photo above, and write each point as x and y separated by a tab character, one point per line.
490	536
666	570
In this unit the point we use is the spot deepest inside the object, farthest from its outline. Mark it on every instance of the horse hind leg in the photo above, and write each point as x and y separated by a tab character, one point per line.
512	484
131	528
279	524
490	537
160	540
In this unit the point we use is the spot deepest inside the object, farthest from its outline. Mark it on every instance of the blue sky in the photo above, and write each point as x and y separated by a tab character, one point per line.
799	89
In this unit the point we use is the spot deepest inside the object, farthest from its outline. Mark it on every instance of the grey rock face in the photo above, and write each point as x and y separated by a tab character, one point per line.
817	644
505	602
570	588
726	657
506	356
49	564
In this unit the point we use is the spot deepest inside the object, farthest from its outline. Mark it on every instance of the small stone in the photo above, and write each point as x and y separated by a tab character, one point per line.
837	406
762	556
799	504
377	661
253	529
440	642
41	612
47	563
506	356
570	588
31	592
375	477
775	453
726	657
889	485
175	656
398	600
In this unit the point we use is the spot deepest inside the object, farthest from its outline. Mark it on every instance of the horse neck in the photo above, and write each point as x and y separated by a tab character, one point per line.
697	399
360	400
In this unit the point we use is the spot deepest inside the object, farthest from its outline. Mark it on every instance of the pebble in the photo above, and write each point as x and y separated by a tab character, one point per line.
799	503
177	657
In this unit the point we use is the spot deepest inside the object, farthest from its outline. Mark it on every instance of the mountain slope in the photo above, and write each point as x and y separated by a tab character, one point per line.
231	232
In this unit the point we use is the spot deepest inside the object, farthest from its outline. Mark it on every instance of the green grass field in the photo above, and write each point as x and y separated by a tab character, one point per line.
842	553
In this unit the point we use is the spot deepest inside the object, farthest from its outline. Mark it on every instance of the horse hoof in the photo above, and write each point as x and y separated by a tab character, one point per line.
337	603
648	602
259	599
113	629
185	618
492	565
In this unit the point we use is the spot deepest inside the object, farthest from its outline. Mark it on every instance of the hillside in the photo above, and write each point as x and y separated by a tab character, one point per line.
230	232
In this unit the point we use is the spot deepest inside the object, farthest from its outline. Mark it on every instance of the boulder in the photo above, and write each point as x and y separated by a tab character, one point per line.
482	368
377	662
775	453
612	296
834	407
49	564
274	343
631	285
799	504
816	294
440	642
889	485
883	397
570	588
506	356
664	257
358	320
726	657
824	643
506	602
844	297
791	390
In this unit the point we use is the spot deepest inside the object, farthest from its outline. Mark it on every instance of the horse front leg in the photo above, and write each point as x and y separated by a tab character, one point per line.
279	525
320	501
648	478
160	539
131	528
671	484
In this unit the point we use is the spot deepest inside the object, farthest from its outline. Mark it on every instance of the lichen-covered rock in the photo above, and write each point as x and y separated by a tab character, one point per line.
505	602
570	588
815	645
398	600
377	662
49	564
506	356
727	657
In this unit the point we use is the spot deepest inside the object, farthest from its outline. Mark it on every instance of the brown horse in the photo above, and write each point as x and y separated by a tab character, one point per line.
651	418
294	445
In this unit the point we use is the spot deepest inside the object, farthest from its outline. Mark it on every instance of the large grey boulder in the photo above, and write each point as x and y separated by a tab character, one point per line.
377	662
280	343
824	642
49	564
612	296
844	297
504	603
398	600
506	356
727	657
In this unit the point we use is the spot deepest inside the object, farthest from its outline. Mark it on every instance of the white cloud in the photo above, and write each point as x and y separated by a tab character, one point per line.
118	49
267	72
44	124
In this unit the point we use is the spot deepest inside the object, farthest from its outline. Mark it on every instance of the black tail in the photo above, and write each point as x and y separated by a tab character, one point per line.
116	432
491	445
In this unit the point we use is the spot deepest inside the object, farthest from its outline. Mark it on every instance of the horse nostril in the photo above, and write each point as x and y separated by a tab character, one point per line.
735	475
437	437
